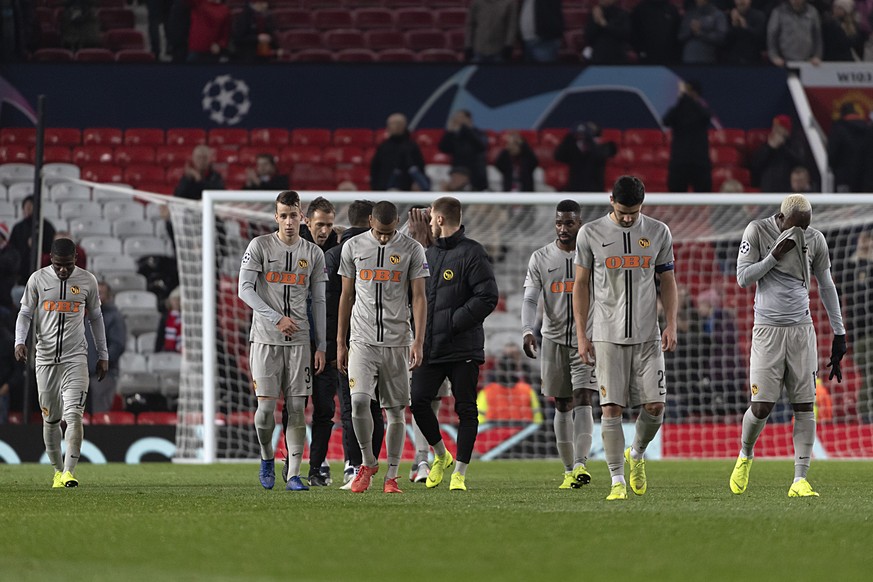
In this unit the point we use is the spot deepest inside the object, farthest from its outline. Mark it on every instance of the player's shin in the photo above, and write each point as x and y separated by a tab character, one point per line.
265	424
564	437
804	437
752	427
647	427
295	434
73	435
613	446
394	437
362	420
583	432
51	434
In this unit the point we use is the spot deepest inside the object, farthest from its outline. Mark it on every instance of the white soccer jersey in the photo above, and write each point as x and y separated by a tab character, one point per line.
285	275
58	309
553	272
623	262
382	274
781	298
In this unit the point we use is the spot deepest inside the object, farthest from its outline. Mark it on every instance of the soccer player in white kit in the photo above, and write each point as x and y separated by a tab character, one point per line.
379	268
56	299
617	258
778	253
565	378
279	273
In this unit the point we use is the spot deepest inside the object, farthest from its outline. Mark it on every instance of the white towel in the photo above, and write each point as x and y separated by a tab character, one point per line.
795	263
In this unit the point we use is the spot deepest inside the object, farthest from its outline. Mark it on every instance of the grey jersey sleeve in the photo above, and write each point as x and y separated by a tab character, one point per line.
831	301
246	292
98	330
319	315
529	309
750	266
22	324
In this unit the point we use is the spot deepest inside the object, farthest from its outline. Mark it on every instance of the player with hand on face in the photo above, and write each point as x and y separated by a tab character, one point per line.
617	259
565	378
777	254
56	299
279	273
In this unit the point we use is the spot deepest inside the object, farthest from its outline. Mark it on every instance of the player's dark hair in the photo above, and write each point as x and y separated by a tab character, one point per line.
269	157
359	213
321	204
288	198
628	191
385	212
63	247
568	206
450	208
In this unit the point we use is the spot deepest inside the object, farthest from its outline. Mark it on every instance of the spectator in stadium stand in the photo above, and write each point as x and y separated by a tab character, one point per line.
159	15
845	148
772	162
169	338
199	175
20	239
655	25
856	286
800	180
794	33
722	382
747	31
254	35
8	364
516	163
468	146
20	37
102	393
541	26
177	28
690	165
265	176
842	39
79	25
703	30
81	255
10	262
209	35
459	180
608	33
585	156
398	163
492	26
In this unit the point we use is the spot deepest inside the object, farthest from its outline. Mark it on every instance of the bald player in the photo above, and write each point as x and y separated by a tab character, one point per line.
56	300
280	271
777	253
617	259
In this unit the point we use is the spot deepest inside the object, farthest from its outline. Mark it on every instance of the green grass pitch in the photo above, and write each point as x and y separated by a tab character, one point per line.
186	522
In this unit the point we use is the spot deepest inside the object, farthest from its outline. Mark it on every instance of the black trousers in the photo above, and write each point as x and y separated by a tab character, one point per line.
350	440
324	387
682	175
426	382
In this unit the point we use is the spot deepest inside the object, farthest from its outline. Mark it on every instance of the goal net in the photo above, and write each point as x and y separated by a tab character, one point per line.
707	377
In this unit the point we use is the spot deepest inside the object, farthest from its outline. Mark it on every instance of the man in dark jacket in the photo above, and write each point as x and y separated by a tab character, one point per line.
21	235
845	149
541	26
516	164
468	147
690	164
102	392
585	157
655	25
199	175
608	32
359	220
398	162
773	161
461	293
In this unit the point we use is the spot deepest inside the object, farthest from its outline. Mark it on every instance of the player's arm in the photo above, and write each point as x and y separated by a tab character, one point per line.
25	315
419	314
750	266
827	290
670	301
347	299
483	293
581	305
98	330
529	306
319	319
248	279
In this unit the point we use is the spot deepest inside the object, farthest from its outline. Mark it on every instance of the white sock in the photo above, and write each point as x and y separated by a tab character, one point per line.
461	468
439	449
362	421
73	411
395	434
296	433
51	435
613	445
563	437
752	427
804	438
265	424
646	428
583	432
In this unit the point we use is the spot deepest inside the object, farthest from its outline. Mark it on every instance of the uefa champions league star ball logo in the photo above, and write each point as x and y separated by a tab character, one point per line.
226	99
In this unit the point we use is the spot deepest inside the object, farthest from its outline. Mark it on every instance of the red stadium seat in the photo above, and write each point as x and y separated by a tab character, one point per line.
552	136
95	55
575	18
438	56
456	39
290	156
66	136
651	137
105	173
127	155
428	137
152	418
314	56
396	55
18	136
227	136
402	3
172	155
247	155
731	137
359	175
353	137
649	174
310	137
313	177
294	40
529	135
724	173
92	154
174	174
755	138
136	174
102	136
433	156
356	55
331	18
342	39
383	39
451	18
113	417
349	155
134	56
113	18
286	18
16	154
368	18
144	136
269	136
418	40
545	154
185	136
724	155
55	155
609	134
556	176
55	55
407	18
124	39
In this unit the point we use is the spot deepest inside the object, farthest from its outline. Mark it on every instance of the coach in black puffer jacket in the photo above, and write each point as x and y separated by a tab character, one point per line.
461	293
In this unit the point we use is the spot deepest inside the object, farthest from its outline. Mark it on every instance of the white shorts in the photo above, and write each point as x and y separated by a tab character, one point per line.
57	382
280	371
630	375
385	368
563	371
783	356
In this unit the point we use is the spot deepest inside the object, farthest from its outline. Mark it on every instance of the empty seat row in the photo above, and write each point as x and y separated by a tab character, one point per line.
137	54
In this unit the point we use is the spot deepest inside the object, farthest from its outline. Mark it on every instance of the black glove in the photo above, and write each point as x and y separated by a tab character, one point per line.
838	350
